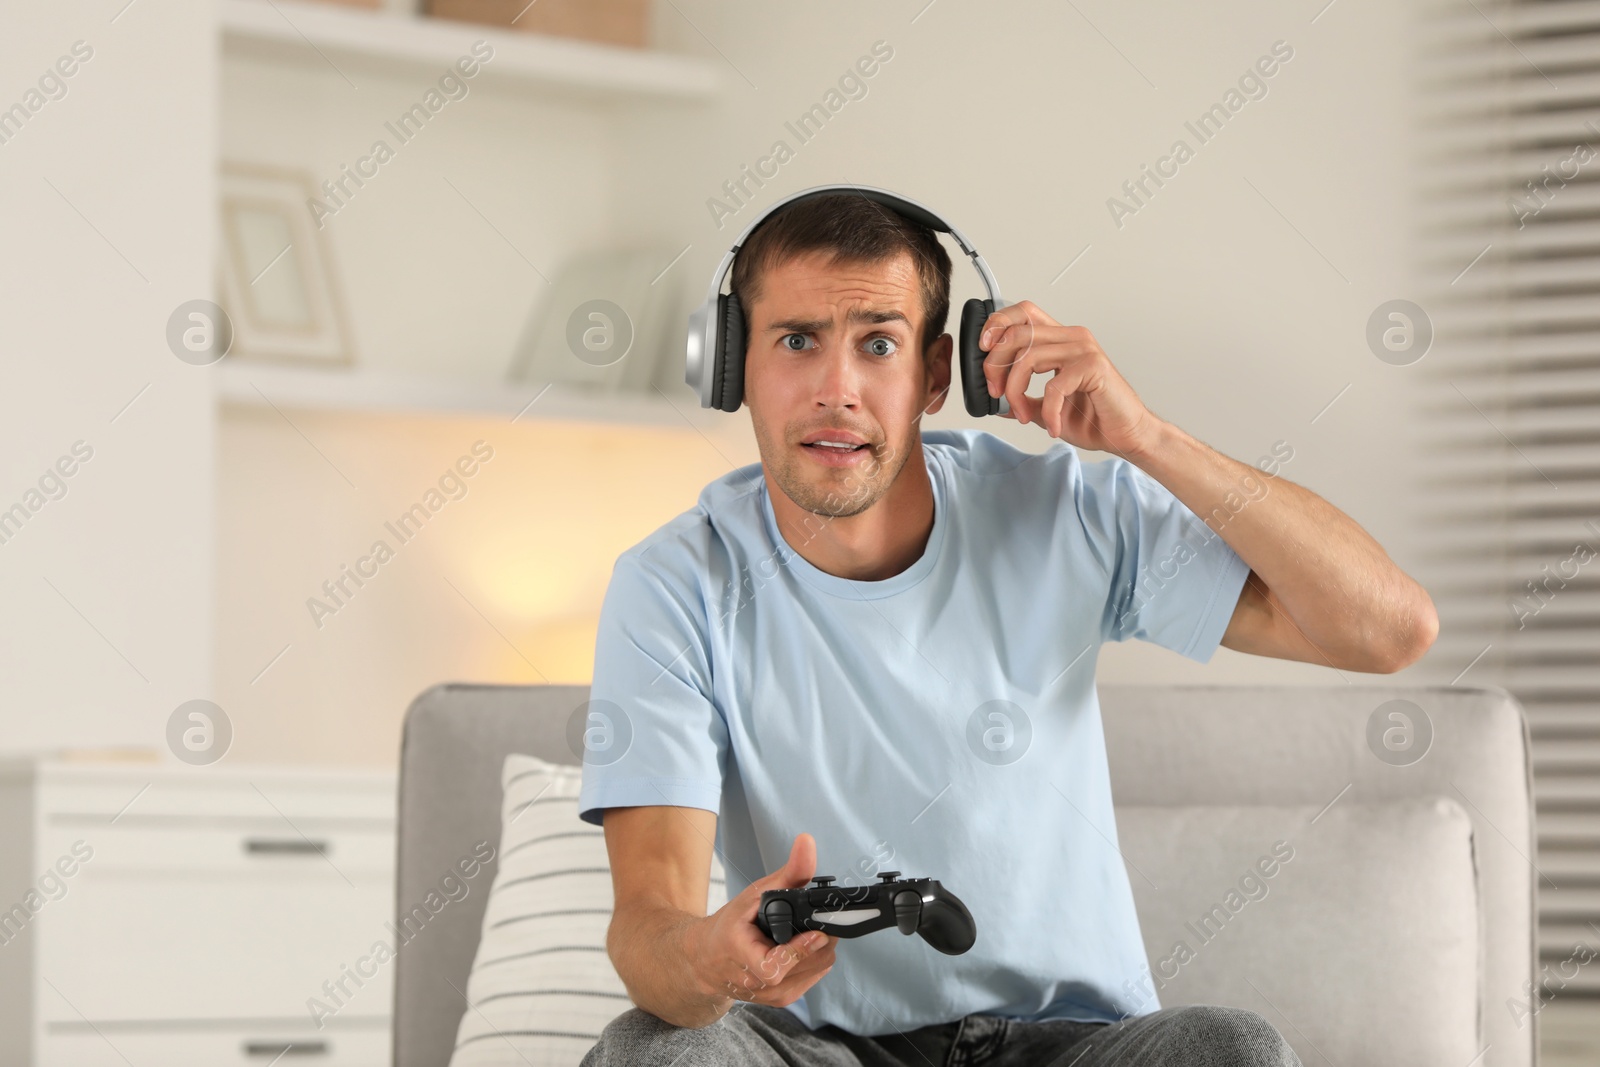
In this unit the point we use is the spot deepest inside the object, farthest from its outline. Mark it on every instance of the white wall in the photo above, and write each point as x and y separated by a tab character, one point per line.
106	230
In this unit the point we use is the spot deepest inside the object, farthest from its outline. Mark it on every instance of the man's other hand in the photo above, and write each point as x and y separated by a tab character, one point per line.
734	960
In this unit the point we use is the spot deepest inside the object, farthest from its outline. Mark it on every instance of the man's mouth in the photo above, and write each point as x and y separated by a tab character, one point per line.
837	453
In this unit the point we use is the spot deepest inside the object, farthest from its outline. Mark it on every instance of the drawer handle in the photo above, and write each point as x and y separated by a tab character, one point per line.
280	846
285	1048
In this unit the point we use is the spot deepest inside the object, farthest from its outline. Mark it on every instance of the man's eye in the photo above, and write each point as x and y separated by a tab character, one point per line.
883	346
791	337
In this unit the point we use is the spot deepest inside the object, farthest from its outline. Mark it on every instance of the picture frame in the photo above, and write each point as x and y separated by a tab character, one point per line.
277	278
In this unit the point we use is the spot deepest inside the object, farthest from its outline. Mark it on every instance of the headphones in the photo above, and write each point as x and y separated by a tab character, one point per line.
715	369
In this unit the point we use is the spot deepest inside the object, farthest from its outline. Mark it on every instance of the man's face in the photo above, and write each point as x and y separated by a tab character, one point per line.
838	347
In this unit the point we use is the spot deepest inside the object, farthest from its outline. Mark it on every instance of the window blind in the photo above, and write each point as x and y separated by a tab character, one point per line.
1509	210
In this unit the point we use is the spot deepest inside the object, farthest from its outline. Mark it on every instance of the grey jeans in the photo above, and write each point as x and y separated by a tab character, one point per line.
754	1034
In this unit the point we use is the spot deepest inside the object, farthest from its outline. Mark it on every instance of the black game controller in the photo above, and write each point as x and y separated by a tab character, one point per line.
915	905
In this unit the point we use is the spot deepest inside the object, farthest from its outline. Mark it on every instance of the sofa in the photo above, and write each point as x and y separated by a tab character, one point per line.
1402	931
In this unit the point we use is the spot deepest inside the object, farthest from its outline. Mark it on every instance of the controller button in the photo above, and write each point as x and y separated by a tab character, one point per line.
888	876
907	911
823	880
780	920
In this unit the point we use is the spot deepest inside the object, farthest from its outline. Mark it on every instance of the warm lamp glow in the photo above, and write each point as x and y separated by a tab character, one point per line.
561	649
528	586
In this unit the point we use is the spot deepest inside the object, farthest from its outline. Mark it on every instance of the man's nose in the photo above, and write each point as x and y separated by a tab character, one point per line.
839	384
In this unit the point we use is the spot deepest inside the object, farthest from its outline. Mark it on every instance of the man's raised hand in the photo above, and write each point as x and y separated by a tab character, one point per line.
1086	402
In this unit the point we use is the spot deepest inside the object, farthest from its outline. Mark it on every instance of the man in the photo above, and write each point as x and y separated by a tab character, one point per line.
882	650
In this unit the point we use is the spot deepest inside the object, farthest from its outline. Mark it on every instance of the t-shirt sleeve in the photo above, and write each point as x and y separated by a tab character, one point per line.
659	738
1173	581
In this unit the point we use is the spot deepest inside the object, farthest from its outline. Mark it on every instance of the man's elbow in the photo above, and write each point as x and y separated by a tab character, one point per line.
1411	641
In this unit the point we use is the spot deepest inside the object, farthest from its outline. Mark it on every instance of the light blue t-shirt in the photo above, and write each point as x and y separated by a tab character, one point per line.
942	722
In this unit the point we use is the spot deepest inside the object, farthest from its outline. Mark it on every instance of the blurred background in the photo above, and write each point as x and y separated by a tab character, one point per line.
285	281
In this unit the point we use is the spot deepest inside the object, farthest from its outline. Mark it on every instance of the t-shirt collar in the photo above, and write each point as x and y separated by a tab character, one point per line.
850	587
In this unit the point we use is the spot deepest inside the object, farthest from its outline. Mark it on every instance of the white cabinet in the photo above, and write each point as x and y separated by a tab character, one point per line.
171	916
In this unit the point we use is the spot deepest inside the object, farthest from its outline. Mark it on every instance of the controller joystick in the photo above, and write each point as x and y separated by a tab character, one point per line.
913	906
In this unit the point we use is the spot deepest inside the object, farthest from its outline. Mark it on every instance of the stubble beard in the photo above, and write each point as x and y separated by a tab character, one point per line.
838	492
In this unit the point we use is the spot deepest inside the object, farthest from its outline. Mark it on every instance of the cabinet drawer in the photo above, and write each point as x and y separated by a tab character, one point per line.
217	924
255	1047
241	846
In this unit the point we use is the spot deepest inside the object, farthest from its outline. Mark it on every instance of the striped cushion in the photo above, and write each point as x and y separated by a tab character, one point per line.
542	986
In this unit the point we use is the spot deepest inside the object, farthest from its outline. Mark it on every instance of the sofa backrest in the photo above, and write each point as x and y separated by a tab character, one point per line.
1219	745
456	738
1169	746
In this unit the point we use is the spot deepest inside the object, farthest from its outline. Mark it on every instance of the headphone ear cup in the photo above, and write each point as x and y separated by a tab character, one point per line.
974	387
727	389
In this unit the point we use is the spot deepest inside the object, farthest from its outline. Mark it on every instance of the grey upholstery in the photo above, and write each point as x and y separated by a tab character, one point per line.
1170	746
456	737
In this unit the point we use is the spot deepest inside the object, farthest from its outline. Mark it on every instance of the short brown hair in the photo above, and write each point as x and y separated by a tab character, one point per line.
856	230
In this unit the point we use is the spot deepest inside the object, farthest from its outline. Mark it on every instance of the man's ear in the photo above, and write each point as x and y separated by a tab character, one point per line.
937	363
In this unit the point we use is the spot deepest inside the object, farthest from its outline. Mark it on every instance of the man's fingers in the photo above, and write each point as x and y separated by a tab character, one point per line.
784	963
786	956
999	320
1013	343
1060	402
1006	349
819	959
1010	315
1068	363
796	870
783	974
990	340
1015	387
1025	409
1009	367
770	966
1018	314
1050	410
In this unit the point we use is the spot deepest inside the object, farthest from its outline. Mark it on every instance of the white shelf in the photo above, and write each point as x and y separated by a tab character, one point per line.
265	385
324	33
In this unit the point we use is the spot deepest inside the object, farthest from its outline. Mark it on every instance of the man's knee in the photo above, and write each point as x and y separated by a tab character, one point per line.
636	1036
1234	1036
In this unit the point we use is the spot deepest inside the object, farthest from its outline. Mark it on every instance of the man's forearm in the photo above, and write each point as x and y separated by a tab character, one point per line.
648	945
1336	584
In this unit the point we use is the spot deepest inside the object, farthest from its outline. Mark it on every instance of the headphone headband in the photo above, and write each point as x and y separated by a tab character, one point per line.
918	213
